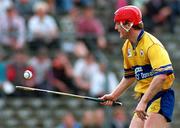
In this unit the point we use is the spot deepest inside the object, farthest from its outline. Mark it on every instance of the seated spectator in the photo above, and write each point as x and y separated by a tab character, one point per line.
3	67
83	3
61	74
88	119
80	49
12	30
25	7
3	64
15	71
103	81
65	6
156	13
41	64
43	30
52	6
99	118
139	3
91	29
84	70
69	121
175	5
67	25
119	119
121	3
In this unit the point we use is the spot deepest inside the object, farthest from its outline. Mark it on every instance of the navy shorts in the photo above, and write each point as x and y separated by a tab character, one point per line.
162	103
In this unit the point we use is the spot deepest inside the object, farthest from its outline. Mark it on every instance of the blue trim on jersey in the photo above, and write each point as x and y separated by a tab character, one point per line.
166	104
168	72
166	66
167	69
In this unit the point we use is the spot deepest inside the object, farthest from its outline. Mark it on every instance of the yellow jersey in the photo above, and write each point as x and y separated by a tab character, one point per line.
148	59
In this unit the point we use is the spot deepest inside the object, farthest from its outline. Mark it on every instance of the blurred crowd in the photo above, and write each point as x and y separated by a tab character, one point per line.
63	42
95	119
52	39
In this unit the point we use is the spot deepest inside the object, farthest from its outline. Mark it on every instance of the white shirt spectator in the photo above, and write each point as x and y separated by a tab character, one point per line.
15	33
100	81
41	68
84	70
45	27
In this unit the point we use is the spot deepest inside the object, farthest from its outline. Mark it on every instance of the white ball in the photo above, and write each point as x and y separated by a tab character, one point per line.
27	74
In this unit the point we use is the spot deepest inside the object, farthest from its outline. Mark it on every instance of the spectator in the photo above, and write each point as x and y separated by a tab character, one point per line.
41	64
15	70
51	6
88	119
103	81
119	119
80	49
121	3
65	6
84	70
69	121
3	67
62	76
43	29
175	6
83	3
68	29
91	29
156	13
99	118
3	64
139	3
12	30
25	7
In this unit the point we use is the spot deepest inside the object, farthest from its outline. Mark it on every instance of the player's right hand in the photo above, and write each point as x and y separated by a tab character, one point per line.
108	99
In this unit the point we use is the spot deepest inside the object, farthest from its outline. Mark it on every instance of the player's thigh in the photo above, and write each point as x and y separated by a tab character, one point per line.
136	122
155	120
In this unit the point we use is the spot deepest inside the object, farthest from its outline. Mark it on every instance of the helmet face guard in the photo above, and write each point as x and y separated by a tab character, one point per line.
128	14
126	29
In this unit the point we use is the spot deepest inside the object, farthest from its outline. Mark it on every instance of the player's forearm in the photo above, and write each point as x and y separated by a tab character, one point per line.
154	88
122	86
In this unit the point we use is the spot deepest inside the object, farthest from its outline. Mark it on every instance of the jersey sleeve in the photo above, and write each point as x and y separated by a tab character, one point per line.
159	60
128	70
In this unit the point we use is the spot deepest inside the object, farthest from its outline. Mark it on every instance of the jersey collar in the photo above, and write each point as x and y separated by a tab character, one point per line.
140	35
138	38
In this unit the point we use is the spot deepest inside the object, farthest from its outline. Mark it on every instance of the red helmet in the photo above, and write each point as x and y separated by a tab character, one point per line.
128	13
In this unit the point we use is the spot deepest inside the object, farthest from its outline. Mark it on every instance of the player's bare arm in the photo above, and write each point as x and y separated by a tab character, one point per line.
121	87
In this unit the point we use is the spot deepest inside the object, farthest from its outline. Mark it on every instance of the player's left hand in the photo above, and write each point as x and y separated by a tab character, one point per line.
140	110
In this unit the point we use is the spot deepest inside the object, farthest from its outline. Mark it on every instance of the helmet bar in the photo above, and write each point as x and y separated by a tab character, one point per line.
126	29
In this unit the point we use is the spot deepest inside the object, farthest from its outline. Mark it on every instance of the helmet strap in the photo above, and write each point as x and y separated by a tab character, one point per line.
125	28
